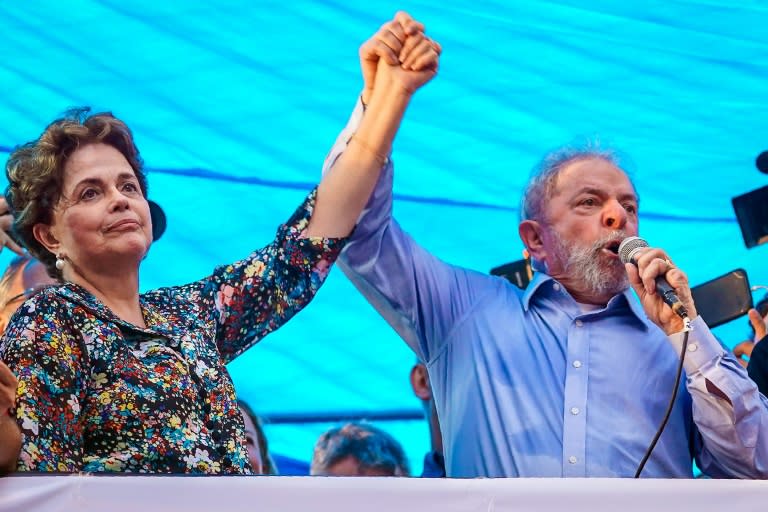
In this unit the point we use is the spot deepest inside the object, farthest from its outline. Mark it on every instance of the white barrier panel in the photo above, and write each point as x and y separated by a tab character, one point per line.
86	493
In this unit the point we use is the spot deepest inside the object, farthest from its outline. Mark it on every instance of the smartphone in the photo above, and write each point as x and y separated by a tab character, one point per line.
724	298
752	213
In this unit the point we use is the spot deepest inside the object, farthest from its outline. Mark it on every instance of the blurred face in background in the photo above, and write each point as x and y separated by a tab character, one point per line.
350	466
27	281
252	443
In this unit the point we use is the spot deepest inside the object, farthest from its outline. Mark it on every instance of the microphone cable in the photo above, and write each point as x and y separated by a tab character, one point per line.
663	425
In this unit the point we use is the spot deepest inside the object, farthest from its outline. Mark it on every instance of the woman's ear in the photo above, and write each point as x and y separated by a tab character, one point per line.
531	235
44	234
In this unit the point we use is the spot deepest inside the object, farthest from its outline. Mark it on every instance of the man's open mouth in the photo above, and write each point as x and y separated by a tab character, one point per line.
613	246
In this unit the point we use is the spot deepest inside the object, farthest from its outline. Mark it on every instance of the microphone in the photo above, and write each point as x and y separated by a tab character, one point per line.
628	250
761	162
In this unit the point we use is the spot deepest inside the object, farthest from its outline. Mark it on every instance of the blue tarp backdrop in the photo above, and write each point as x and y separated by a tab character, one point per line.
234	105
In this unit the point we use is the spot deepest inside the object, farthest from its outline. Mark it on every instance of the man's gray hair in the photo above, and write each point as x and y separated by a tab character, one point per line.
541	184
371	447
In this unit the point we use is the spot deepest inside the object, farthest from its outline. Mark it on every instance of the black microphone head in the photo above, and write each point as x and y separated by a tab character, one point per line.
629	247
762	162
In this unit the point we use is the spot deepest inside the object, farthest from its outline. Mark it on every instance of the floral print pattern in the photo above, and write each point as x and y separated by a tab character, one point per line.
99	394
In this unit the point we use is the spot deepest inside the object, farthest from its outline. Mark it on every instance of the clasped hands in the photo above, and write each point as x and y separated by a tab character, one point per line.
399	55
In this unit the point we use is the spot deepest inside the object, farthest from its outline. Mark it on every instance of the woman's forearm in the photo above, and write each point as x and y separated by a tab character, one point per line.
345	189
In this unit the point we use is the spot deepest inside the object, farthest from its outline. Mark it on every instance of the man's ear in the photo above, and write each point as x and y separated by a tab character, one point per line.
531	234
44	234
420	382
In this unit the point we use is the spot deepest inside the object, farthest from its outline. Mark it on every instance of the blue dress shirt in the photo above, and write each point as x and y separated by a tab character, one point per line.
434	465
527	384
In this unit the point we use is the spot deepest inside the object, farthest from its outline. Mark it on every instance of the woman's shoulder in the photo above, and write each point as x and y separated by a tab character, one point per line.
44	300
42	314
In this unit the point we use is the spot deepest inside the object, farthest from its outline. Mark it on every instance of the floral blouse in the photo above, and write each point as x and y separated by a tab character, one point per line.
100	394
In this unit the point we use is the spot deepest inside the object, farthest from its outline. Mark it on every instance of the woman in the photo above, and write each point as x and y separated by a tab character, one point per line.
113	380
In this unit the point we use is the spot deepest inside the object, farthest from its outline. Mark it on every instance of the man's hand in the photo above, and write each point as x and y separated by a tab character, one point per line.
653	263
6	221
743	349
759	324
400	41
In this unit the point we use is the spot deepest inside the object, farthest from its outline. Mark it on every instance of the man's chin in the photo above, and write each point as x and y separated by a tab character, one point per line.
613	280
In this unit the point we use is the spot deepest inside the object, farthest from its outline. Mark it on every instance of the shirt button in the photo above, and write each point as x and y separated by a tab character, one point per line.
572	459
579	323
556	287
577	364
575	410
693	347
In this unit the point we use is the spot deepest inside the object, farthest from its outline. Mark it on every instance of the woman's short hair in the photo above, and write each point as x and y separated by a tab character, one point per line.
35	171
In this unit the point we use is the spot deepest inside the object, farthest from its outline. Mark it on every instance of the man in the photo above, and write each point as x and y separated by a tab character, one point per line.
570	377
434	462
757	348
757	316
358	449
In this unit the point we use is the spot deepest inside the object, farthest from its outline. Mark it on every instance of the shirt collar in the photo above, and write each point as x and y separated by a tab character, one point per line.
157	323
539	280
542	282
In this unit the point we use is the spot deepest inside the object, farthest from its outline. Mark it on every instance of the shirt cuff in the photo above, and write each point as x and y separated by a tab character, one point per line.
703	347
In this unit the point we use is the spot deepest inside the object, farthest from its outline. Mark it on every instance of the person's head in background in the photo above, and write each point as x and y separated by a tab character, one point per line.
358	449
423	391
256	442
23	277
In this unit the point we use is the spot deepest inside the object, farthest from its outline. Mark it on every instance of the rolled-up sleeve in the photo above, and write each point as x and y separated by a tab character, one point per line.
730	413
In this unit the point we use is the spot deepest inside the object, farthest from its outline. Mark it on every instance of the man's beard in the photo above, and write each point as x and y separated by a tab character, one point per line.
585	264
